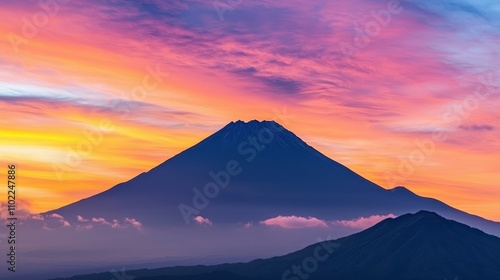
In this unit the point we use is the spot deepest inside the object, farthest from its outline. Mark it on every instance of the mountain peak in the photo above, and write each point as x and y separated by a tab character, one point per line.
423	225
267	131
424	215
255	124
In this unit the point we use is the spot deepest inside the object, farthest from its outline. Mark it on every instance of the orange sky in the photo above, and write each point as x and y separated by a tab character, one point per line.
128	87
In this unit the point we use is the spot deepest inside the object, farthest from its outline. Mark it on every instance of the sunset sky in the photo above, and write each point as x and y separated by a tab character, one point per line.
405	93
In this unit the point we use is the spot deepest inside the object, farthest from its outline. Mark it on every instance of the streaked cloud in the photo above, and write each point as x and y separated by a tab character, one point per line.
476	127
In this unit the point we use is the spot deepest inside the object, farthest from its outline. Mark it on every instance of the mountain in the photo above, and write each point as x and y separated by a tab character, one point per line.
249	172
413	246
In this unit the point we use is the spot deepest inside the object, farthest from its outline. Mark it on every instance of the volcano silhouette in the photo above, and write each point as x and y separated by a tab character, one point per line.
252	171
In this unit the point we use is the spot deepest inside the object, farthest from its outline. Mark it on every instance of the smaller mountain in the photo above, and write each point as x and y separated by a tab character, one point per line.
413	246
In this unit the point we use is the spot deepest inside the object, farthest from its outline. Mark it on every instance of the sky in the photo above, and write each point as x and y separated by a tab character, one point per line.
402	92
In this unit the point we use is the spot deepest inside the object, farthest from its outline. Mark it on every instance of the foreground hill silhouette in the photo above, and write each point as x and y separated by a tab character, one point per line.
274	173
413	246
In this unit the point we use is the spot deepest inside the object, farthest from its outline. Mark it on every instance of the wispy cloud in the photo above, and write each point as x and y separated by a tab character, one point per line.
476	127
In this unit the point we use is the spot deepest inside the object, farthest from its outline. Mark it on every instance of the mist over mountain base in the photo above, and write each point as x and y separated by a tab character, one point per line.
62	252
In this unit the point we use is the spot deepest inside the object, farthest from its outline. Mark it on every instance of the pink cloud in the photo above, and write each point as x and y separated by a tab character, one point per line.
101	221
363	222
59	219
115	224
66	224
293	222
81	219
200	220
37	217
56	216
135	223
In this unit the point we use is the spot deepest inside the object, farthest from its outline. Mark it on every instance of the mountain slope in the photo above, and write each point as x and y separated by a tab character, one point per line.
414	246
273	173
